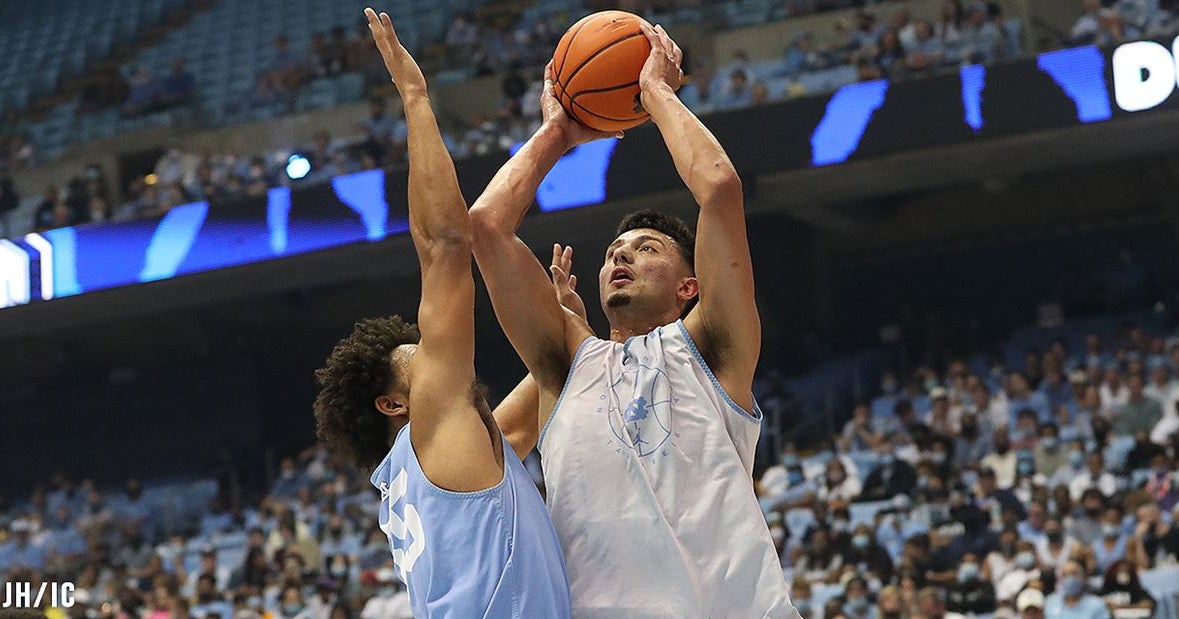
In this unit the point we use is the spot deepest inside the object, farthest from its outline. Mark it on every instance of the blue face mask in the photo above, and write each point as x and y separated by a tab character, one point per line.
968	572
291	610
857	605
1076	459
840	525
825	456
803	606
1072	586
1025	560
794	477
1049	442
860	541
887	460
789	461
889	387
1025	468
1110	530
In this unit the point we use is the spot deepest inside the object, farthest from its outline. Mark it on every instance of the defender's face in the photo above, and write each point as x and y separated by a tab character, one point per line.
641	267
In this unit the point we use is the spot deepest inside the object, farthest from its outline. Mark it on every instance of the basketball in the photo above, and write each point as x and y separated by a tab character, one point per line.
596	70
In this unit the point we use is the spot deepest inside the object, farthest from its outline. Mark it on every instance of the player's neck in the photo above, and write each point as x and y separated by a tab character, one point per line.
625	325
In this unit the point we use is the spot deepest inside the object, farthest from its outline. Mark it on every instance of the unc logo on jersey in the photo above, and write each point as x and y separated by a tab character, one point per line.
640	408
407	538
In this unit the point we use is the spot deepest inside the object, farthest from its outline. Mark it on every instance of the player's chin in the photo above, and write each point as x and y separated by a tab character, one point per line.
618	299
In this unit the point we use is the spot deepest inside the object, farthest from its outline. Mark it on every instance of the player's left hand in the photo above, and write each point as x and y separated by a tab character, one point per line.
407	75
565	282
663	64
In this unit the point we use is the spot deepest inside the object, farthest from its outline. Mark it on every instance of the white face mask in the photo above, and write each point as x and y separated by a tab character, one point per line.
778	533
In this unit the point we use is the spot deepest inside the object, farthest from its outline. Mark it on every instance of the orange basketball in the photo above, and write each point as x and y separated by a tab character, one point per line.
596	69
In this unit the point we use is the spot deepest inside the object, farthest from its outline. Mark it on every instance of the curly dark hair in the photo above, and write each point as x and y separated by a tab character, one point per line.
674	227
357	371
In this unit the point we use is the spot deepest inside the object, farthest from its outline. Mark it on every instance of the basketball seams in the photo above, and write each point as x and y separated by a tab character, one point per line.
585	109
598	52
573	101
565	56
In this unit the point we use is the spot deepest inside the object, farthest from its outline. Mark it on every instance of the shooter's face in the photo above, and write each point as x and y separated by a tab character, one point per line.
644	269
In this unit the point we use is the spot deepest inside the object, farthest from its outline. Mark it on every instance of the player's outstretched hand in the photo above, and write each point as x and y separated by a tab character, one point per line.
565	282
663	65
554	116
404	70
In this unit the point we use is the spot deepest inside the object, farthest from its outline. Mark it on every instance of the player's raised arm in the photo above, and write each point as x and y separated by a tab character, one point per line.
444	419
518	414
725	322
520	290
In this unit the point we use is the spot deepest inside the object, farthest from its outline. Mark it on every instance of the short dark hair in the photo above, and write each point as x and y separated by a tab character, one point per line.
357	371
673	227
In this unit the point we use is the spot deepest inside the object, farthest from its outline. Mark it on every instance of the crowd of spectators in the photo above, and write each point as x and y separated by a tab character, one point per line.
1051	490
309	549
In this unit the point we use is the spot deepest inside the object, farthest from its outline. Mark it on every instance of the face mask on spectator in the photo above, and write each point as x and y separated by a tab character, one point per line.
803	606
1072	586
1025	560
922	481
789	461
1076	459
794	477
887	460
889	387
825	456
938	457
968	572
1125	578
339	569
1054	536
1110	530
857	605
291	610
839	525
1025	468
388	591
1050	443
778	534
860	541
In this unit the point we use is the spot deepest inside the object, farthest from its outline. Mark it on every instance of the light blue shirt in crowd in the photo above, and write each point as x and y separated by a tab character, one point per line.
1088	607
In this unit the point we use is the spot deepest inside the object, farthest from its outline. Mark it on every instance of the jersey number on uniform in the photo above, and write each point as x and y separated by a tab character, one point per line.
403	526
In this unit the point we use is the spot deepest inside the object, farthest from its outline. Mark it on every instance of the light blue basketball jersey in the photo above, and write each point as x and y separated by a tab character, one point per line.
491	553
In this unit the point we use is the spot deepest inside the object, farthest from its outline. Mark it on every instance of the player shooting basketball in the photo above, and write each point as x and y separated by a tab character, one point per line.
468	530
648	448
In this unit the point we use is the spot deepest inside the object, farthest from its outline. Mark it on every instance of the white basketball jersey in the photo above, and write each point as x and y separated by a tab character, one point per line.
648	468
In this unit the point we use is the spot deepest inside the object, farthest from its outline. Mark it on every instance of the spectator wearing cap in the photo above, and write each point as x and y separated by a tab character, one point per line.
1070	600
1094	476
21	551
940	418
1140	413
1030	604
